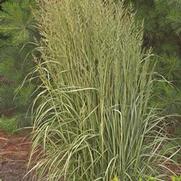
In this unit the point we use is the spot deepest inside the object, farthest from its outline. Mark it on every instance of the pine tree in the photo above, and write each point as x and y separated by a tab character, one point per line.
17	33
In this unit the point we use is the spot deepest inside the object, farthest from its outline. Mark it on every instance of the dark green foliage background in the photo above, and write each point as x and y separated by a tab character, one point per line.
17	32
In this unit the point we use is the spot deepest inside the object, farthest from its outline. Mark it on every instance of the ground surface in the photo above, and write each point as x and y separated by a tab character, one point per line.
14	154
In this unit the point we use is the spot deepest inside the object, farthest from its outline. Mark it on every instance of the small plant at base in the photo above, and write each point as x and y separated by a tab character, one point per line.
9	125
115	179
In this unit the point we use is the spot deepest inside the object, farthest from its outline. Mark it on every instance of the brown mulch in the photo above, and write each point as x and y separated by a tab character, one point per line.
14	155
176	169
173	170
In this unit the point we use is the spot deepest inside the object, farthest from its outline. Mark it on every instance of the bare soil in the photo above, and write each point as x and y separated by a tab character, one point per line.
14	155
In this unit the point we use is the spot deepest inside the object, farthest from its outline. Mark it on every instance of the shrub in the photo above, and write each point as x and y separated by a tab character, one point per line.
93	120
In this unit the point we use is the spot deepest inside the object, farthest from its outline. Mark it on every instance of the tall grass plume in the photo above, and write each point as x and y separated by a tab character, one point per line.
94	121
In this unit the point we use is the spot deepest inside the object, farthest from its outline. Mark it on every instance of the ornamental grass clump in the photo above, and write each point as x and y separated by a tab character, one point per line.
93	118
